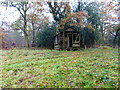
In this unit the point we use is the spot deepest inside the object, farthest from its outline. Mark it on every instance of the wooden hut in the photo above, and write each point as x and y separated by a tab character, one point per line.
67	40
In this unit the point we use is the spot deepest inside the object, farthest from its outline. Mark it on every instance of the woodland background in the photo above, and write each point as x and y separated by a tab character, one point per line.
97	22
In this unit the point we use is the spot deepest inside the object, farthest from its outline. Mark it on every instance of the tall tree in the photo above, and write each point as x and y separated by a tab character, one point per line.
36	18
22	7
89	31
95	19
110	17
59	10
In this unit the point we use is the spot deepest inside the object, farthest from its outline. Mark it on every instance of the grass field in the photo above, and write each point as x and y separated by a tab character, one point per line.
92	68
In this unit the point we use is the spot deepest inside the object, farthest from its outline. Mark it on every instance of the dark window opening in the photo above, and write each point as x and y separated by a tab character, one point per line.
70	41
74	37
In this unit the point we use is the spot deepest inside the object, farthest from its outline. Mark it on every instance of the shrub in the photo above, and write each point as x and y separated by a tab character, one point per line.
45	37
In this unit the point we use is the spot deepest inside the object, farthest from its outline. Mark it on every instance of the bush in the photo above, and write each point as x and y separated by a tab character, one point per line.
45	37
88	37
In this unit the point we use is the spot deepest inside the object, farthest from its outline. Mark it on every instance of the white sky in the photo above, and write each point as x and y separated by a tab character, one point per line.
12	14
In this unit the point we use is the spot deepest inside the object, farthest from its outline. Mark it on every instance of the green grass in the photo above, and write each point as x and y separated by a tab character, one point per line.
93	68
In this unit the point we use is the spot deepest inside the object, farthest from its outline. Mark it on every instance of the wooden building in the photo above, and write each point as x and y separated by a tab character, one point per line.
67	40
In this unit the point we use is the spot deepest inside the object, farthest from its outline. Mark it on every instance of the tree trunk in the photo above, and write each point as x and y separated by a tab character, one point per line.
102	27
33	33
117	35
27	41
25	27
63	40
119	39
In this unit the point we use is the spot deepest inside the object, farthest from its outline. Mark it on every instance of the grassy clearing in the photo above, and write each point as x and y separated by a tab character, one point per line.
93	68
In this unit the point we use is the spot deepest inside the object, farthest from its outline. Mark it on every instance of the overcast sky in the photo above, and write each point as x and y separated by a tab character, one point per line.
11	14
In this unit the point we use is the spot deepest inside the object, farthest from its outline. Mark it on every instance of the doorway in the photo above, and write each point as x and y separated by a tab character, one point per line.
70	40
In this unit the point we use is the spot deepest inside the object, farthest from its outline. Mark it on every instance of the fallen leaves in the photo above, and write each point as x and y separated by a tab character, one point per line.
50	68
